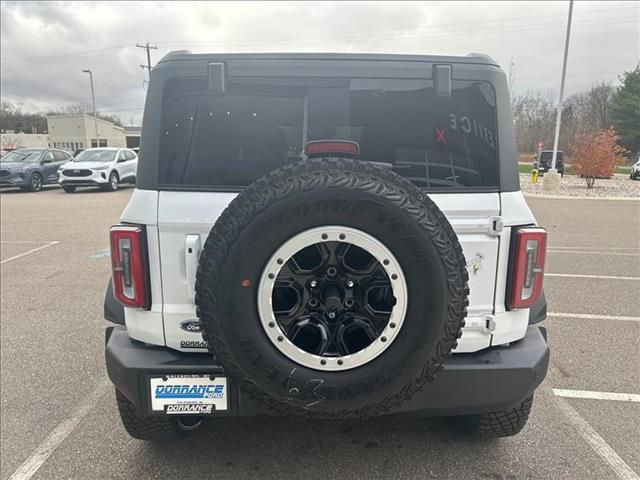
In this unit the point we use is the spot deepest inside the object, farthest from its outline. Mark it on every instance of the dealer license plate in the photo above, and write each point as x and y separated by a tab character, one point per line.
189	394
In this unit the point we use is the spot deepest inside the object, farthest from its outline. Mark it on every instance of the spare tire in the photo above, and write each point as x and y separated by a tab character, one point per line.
331	289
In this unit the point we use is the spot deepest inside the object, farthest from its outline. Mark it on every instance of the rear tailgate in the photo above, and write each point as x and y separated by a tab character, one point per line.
185	218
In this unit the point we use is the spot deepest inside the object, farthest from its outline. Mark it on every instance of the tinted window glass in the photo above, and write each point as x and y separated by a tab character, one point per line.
231	140
61	156
547	156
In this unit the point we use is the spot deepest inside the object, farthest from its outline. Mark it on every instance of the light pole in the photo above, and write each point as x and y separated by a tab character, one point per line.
551	181
93	100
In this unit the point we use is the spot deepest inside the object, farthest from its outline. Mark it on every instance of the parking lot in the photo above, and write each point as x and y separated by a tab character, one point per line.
59	418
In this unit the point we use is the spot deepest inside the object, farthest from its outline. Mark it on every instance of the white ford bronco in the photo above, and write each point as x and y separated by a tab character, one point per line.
328	236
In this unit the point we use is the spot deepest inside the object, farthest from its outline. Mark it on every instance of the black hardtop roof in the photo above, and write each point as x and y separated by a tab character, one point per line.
471	58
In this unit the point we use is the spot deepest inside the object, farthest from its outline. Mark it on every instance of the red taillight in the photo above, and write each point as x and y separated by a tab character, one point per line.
527	264
128	263
329	147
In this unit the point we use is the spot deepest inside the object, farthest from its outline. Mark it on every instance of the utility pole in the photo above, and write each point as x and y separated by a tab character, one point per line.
93	100
148	48
511	75
554	177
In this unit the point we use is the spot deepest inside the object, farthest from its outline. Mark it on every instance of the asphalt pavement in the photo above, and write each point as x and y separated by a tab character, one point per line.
53	382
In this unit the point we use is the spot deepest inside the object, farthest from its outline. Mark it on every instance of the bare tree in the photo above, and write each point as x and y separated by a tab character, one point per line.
533	117
585	112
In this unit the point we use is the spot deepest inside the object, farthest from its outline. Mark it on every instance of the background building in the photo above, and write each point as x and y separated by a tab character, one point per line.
10	140
133	136
73	132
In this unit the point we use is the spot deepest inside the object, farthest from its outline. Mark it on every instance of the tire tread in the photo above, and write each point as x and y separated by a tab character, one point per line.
324	174
155	428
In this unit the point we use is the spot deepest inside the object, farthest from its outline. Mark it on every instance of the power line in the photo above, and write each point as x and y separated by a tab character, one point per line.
369	33
374	36
322	36
125	100
69	55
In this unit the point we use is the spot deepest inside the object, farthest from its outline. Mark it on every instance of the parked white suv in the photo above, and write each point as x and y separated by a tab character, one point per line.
329	236
635	170
105	167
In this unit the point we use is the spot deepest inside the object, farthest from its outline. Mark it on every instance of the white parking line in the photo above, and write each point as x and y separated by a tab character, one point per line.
586	252
619	397
33	250
632	249
32	464
589	316
602	277
24	241
596	442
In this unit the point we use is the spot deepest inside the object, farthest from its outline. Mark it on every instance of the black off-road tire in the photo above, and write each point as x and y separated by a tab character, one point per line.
148	428
310	194
505	423
69	188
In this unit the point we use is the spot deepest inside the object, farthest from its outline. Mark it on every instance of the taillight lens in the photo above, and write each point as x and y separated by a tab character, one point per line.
527	266
129	267
332	147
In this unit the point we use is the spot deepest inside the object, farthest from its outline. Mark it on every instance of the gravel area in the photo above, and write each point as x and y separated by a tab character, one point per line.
574	186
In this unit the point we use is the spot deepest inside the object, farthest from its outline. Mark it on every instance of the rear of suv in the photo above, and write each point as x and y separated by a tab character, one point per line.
327	236
544	160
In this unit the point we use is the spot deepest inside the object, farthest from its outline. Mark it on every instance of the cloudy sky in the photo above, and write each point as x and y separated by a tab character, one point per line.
46	45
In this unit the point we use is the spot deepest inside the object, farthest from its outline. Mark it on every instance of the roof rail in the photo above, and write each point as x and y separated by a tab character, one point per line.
481	55
174	53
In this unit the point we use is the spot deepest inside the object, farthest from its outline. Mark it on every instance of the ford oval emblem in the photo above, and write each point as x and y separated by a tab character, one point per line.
191	326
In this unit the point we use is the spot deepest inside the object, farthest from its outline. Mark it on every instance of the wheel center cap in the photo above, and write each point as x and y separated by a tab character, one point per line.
332	298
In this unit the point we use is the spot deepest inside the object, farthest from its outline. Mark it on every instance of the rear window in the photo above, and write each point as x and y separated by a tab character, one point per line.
547	156
229	141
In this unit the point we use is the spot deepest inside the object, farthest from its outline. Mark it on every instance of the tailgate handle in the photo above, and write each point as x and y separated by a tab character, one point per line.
192	247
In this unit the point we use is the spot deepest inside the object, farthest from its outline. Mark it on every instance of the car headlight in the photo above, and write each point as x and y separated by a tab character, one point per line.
101	167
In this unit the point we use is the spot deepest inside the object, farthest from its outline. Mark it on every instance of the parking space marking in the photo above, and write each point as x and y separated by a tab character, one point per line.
586	252
601	277
32	464
596	442
589	316
632	249
618	397
29	252
23	241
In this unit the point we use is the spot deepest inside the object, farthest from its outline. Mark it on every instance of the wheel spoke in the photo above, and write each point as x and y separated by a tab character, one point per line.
354	333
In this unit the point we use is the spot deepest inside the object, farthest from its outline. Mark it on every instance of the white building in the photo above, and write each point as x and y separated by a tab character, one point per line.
11	140
133	136
73	132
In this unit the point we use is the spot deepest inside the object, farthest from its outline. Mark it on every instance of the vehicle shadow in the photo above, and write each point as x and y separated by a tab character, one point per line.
51	188
85	190
13	190
299	448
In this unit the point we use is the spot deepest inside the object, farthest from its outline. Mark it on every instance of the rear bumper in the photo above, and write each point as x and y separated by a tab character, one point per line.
490	380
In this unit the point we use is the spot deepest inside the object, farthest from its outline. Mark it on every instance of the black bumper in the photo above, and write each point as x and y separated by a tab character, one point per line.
81	183
485	381
20	183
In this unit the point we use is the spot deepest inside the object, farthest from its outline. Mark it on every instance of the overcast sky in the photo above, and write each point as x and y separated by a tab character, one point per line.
45	46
